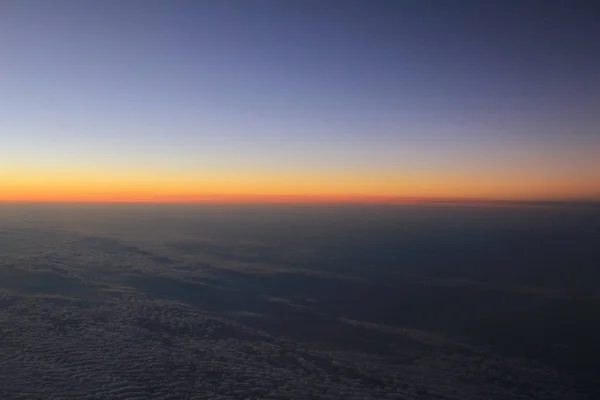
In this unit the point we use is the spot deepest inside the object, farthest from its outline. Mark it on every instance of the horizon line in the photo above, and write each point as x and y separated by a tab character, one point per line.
301	199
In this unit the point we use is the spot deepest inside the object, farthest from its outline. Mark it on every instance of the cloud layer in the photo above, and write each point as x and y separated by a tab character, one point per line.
90	314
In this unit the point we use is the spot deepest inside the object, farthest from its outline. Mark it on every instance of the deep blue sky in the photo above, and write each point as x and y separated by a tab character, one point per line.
303	87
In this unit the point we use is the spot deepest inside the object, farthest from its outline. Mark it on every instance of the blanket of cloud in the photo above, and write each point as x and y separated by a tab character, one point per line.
299	302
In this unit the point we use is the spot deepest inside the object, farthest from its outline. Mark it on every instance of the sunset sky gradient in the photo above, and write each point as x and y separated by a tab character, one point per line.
289	100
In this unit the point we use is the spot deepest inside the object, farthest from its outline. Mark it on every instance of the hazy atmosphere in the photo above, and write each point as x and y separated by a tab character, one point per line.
299	199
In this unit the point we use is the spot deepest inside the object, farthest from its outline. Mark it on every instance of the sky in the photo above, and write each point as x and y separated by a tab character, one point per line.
180	100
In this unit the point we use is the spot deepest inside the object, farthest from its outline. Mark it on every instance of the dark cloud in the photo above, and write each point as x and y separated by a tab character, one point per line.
105	315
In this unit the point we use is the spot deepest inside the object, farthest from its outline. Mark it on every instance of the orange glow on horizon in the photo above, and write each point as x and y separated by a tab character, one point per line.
415	192
287	187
